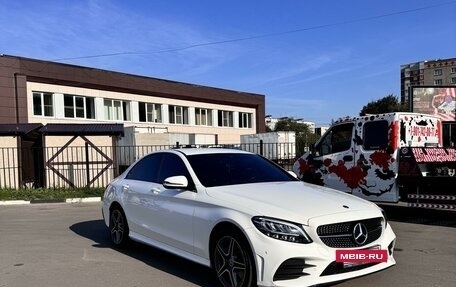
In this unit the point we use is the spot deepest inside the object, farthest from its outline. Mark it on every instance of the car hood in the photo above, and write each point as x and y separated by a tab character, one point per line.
297	201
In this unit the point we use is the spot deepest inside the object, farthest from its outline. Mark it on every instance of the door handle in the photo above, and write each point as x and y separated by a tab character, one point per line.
125	187
156	190
348	158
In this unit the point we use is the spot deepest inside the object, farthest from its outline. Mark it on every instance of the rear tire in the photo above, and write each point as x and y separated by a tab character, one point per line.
232	260
118	227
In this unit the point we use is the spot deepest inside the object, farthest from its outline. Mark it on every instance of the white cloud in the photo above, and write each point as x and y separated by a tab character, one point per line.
89	28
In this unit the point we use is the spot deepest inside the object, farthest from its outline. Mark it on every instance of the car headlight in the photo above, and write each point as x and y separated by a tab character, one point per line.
281	230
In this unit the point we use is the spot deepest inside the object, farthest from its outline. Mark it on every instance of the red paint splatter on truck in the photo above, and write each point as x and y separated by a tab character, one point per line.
394	135
351	177
303	166
381	158
327	162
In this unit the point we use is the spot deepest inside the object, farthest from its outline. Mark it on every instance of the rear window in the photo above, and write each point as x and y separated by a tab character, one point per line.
229	169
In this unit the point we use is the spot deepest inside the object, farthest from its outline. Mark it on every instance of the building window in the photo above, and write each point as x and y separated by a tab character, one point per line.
225	119
117	110
437	72
178	115
151	113
245	120
79	107
453	70
453	80
438	82
43	104
203	117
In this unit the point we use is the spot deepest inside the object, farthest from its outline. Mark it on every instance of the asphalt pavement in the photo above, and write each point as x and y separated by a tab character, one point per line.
67	245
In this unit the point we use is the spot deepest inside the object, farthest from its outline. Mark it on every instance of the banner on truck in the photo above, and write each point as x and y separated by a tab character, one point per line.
439	101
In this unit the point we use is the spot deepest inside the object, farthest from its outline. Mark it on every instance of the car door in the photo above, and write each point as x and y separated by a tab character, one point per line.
171	211
138	187
376	154
335	151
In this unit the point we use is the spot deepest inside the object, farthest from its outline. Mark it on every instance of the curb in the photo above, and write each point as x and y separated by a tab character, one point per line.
37	201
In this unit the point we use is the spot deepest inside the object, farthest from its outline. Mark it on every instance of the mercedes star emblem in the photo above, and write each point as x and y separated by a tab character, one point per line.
360	233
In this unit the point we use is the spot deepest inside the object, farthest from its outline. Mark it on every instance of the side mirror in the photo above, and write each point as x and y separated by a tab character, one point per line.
176	182
312	148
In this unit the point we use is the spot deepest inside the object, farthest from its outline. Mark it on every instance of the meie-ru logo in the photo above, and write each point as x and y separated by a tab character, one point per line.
361	256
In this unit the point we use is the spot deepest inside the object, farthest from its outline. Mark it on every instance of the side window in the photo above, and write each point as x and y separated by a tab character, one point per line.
338	139
324	147
172	165
341	138
375	135
146	169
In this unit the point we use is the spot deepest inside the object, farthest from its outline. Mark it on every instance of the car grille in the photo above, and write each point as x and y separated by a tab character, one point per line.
340	235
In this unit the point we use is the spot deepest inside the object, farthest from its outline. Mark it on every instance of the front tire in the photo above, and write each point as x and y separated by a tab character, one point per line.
118	227
232	260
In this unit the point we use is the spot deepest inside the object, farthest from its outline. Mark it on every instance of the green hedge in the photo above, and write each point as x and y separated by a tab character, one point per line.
49	194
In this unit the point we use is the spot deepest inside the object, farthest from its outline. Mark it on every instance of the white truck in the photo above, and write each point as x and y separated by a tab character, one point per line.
387	158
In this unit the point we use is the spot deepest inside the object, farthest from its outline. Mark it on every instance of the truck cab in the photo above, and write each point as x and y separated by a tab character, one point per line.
363	155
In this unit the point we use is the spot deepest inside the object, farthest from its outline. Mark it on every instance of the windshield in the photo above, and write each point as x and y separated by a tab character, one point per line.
235	168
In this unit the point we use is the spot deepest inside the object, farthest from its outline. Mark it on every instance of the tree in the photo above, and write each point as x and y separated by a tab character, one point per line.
289	124
304	136
387	104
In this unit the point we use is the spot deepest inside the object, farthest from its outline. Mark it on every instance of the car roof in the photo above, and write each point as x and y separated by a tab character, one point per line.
194	151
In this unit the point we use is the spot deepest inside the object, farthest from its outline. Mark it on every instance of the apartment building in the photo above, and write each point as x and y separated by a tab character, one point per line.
441	72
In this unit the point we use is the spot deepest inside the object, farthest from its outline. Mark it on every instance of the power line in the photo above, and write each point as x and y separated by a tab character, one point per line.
260	36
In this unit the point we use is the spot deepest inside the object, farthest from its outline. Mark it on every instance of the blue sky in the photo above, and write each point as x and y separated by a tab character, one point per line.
316	60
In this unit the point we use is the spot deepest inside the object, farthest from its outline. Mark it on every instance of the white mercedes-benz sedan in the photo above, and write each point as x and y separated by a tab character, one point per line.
245	217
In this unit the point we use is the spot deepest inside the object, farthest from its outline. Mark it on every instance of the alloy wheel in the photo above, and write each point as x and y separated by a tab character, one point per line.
117	227
231	263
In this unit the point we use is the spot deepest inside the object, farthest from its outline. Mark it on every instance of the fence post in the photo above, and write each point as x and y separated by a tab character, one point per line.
87	164
114	157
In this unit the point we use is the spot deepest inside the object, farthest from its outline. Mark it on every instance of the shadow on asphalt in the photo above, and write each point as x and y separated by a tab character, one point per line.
420	215
97	231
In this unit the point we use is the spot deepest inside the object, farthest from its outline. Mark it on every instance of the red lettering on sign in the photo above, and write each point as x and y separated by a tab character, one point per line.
420	131
434	154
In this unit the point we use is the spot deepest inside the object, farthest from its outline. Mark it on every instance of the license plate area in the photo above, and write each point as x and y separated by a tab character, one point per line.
353	264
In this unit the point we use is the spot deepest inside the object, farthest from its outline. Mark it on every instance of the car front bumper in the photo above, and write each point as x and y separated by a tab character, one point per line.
284	264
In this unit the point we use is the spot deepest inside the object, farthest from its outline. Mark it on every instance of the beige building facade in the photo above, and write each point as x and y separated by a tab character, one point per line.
71	126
